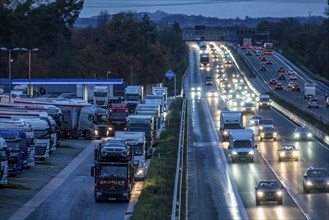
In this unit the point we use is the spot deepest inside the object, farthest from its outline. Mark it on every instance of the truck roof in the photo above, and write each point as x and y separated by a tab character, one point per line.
242	134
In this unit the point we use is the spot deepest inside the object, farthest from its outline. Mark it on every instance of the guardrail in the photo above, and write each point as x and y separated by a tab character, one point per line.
176	204
319	133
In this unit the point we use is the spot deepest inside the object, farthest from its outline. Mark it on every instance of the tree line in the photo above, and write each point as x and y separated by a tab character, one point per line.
120	46
306	43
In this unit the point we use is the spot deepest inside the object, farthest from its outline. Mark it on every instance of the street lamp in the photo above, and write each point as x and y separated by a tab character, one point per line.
9	67
107	74
30	52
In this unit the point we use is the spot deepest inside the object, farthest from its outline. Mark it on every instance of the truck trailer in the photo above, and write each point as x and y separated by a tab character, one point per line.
242	145
230	120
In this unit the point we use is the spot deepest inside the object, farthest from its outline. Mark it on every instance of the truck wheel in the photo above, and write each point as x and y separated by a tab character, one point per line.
87	135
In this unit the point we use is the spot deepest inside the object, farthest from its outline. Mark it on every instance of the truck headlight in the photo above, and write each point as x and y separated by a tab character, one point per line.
140	172
309	183
96	132
309	135
279	193
234	153
262	134
110	129
282	153
274	134
251	152
296	135
225	133
295	153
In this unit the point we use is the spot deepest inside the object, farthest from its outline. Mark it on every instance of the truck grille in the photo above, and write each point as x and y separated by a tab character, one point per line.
40	150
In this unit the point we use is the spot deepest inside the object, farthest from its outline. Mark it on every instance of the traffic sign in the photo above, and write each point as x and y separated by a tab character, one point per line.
170	74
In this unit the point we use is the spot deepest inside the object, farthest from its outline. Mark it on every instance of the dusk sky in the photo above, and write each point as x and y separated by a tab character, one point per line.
211	8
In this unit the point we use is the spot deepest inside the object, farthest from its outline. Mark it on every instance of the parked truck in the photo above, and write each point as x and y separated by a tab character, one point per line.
79	119
150	109
4	156
161	91
117	117
309	90
230	120
242	145
102	95
16	148
26	134
113	170
134	95
137	142
143	123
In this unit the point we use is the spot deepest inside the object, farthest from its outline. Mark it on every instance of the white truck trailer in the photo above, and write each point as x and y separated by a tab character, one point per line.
242	145
309	90
161	91
230	120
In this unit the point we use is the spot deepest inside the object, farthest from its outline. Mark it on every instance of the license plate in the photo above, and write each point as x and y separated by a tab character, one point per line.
111	199
243	158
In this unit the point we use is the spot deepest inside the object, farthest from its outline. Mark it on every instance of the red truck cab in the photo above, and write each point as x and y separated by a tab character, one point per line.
117	117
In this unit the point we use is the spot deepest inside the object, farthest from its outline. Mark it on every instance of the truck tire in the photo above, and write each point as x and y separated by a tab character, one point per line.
87	135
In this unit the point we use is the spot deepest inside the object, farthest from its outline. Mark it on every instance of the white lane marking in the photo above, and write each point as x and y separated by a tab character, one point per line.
42	195
288	191
294	124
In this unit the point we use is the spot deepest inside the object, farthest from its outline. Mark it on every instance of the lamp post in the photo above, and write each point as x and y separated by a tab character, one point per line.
30	55
107	74
9	67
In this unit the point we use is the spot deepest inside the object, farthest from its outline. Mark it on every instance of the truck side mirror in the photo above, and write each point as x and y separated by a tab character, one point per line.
92	171
305	176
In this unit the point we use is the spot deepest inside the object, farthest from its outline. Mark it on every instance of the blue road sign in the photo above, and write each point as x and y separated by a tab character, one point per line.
170	74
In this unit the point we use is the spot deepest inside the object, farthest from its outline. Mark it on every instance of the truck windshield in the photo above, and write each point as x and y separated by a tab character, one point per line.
100	94
145	129
138	149
232	126
42	134
118	115
14	145
113	172
132	97
264	100
242	144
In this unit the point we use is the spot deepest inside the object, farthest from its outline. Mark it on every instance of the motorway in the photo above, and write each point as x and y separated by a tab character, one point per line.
295	97
296	204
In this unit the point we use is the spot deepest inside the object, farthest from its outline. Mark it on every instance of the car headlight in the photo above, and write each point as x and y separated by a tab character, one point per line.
279	193
96	132
282	153
140	172
253	108
295	153
309	135
274	134
309	183
251	152
110	129
260	128
296	135
260	193
327	183
234	153
262	134
225	133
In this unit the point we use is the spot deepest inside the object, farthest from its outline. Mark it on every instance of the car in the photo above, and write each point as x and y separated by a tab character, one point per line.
290	72
313	103
273	81
212	94
263	69
254	120
268	190
295	87
195	91
257	54
281	69
293	77
269	62
302	133
288	151
265	122
208	81
279	86
290	84
248	107
282	77
228	61
248	52
327	102
316	178
262	58
268	132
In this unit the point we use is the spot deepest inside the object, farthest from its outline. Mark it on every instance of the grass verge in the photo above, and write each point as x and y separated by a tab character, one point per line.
155	201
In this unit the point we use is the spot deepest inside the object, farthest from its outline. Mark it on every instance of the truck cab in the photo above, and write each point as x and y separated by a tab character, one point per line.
134	95
264	101
117	117
242	145
113	170
230	120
